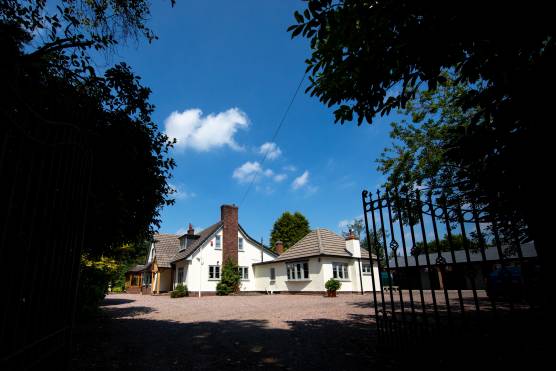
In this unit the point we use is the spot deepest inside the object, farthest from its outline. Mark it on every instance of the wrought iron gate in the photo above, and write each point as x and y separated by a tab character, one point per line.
45	171
444	268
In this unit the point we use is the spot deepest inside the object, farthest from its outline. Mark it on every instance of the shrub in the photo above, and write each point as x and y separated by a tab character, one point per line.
332	285
117	289
230	279
180	291
93	284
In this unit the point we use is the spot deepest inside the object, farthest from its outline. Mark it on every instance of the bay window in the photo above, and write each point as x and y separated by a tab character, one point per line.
298	270
340	271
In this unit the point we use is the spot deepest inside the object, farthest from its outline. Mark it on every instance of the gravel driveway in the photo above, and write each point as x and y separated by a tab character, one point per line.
145	332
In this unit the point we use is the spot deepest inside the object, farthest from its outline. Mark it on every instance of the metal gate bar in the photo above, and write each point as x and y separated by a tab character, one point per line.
477	275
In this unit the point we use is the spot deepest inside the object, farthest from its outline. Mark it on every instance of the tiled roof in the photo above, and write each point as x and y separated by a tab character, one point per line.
205	235
165	247
137	268
319	242
193	245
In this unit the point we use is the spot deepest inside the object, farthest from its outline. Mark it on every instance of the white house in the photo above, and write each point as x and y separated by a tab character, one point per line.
196	260
320	255
199	258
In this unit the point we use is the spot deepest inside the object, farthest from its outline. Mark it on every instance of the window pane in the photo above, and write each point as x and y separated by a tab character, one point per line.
305	270
273	274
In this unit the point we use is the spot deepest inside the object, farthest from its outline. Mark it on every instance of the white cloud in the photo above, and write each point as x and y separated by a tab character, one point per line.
246	172
249	170
179	192
270	150
280	177
194	131
290	168
301	180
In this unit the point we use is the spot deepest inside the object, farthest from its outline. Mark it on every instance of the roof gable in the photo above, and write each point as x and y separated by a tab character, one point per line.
165	247
207	234
195	244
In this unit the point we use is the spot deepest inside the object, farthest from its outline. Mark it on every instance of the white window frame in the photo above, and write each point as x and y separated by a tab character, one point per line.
366	271
215	271
244	273
340	271
298	271
218	242
240	242
183	244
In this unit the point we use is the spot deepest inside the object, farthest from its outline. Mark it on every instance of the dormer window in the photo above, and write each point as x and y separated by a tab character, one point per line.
218	244
240	244
183	244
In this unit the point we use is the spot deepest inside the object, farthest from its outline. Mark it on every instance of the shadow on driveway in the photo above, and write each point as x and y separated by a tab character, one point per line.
114	342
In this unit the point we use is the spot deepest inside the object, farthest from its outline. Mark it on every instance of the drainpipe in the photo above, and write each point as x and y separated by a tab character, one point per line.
360	276
200	260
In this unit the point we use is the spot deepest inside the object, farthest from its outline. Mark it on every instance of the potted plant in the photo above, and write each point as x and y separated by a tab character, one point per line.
332	285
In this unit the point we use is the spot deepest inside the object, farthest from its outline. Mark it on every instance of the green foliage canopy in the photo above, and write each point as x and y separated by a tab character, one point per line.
49	79
289	228
369	57
229	280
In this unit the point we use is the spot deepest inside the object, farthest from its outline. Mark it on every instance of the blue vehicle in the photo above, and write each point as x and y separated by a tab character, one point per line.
505	282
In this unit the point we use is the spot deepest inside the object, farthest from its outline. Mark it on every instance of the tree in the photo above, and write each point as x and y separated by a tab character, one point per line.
371	57
56	84
357	226
375	246
230	279
418	157
53	94
289	228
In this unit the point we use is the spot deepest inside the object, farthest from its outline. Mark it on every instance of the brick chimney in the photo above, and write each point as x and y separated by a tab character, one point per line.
228	216
279	247
190	231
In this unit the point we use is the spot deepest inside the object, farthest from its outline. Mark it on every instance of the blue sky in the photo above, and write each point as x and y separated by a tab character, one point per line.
222	75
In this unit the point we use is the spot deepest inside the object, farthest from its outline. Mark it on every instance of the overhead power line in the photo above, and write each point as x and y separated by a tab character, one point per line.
273	139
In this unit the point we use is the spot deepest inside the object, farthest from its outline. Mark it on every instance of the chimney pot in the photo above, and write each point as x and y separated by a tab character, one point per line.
190	231
351	235
279	247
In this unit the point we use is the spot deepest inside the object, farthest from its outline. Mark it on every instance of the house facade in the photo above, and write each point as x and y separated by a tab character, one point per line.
196	260
157	272
199	260
320	255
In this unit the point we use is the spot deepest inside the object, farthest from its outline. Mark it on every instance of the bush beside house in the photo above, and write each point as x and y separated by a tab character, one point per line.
180	291
230	280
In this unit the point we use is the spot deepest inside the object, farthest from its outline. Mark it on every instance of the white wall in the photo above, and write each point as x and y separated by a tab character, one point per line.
320	271
197	265
314	283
